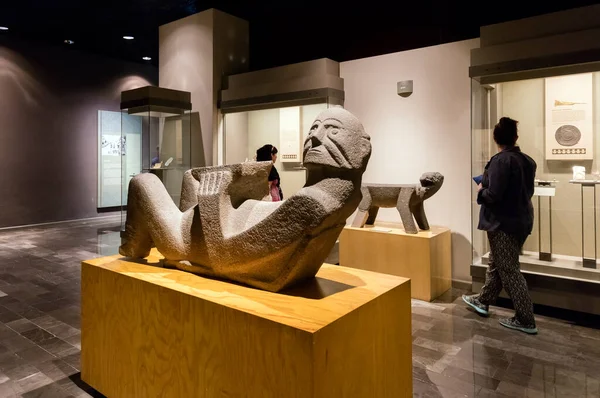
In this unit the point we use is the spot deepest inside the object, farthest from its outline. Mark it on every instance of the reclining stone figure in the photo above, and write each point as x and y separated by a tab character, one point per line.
408	199
223	229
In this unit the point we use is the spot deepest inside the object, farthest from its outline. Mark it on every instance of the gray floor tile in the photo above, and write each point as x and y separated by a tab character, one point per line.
471	377
35	355
456	353
63	331
34	381
37	335
21	325
18	343
56	369
20	372
10	389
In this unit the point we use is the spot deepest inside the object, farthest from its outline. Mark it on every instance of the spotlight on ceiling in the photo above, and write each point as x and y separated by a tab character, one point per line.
3	28
146	58
69	41
128	37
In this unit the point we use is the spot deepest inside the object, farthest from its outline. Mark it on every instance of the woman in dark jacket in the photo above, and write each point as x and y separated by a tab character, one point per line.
269	153
507	215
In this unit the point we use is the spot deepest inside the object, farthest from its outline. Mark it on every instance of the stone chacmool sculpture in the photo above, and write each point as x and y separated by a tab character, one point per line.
408	199
223	229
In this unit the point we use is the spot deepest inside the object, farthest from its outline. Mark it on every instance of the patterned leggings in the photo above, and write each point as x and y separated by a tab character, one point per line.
504	271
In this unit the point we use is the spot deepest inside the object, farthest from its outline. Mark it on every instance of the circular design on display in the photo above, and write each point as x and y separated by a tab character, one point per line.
567	135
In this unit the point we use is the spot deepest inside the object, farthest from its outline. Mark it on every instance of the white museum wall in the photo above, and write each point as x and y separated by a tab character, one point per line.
524	101
428	131
236	138
263	128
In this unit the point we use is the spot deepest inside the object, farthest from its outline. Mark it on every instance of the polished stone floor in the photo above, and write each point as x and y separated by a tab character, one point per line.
455	352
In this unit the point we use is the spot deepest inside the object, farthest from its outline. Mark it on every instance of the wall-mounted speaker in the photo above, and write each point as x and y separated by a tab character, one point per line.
405	88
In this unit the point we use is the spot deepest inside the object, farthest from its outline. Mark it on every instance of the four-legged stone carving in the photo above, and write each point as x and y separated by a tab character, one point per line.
408	199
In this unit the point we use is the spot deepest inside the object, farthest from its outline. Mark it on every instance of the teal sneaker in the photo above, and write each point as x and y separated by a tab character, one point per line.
473	302
513	323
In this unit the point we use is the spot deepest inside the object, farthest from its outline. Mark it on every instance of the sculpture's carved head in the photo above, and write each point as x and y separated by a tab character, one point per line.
337	139
431	183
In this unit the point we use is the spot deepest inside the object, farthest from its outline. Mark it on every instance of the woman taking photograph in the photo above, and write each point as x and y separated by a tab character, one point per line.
507	215
269	153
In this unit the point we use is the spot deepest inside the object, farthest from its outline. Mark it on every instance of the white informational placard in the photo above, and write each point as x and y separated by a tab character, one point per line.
569	117
544	191
113	145
289	135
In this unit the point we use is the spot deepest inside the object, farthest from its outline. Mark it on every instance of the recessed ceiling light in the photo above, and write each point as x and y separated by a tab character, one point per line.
69	41
128	37
146	58
3	28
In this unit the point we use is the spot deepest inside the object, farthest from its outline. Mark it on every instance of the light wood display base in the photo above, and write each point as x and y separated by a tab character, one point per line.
149	331
425	257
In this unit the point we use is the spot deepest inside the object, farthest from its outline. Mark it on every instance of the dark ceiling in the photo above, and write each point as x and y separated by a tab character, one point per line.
281	32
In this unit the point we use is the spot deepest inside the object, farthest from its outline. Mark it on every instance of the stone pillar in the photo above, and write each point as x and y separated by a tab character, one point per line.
195	54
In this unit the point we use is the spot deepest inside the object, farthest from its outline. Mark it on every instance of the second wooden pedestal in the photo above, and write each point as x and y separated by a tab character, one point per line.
425	257
149	332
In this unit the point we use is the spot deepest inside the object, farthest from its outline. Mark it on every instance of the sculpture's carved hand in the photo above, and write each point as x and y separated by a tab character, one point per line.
213	182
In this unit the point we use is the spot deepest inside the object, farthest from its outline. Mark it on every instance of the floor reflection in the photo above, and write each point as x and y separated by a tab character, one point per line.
456	353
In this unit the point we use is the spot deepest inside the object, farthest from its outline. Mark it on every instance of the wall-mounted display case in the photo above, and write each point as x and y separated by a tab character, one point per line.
277	106
545	73
559	128
164	145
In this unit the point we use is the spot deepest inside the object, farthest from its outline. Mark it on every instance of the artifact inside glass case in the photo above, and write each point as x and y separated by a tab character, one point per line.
224	229
407	198
163	147
558	127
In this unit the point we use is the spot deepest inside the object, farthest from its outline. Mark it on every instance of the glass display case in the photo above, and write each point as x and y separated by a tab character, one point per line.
163	147
111	152
558	127
286	128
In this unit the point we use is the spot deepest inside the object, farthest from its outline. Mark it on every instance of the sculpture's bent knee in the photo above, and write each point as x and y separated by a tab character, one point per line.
152	217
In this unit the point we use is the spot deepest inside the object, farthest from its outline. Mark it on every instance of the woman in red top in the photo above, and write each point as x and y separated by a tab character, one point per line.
269	153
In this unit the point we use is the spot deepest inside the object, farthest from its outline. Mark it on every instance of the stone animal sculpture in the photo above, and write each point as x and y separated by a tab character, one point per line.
408	199
223	229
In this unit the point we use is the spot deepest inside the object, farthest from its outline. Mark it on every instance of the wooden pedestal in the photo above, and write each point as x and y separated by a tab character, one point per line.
148	331
425	257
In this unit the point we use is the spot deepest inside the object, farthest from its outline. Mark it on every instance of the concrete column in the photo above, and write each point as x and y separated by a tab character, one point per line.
195	54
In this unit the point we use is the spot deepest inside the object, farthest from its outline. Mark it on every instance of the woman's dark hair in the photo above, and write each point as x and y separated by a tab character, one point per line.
505	132
263	154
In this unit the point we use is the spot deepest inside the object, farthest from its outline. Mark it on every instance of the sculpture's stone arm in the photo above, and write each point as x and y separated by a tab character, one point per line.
189	191
308	212
245	181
